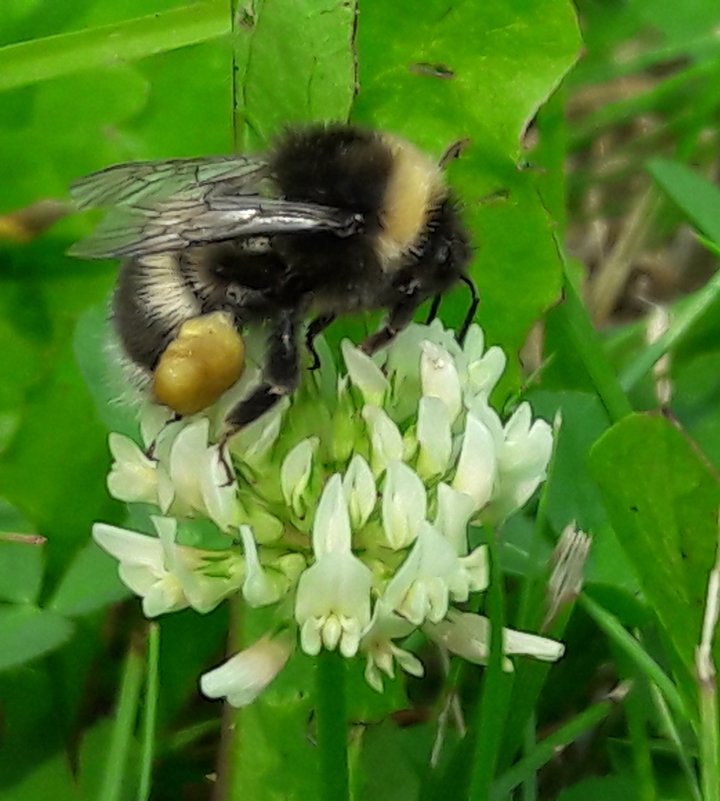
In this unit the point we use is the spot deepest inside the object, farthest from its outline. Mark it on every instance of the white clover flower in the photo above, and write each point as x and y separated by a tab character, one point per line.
244	676
404	505
420	589
454	511
415	454
333	595
386	442
261	586
468	635
169	577
365	374
380	651
522	460
477	467
133	477
295	474
434	437
481	369
360	491
198	476
439	377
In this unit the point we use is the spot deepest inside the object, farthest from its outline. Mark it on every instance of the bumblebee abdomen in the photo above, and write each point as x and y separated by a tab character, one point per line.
150	303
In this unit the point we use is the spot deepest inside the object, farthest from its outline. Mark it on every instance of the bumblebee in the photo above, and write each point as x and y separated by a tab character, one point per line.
334	219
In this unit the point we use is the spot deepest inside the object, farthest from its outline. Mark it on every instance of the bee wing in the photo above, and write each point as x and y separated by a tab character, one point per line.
171	205
152	181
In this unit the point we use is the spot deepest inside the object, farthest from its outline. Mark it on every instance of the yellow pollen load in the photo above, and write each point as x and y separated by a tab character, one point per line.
205	359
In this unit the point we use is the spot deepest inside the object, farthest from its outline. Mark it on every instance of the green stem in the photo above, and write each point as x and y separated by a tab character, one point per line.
233	747
588	345
530	784
547	749
488	724
635	715
53	56
685	759
150	716
691	312
331	717
635	653
114	776
709	741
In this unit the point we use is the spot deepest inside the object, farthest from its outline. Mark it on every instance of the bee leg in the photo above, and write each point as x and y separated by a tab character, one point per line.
225	461
474	303
400	317
316	327
152	447
280	375
432	314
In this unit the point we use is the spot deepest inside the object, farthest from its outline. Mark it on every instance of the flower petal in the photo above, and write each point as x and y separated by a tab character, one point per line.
259	589
434	437
365	374
439	377
454	510
133	476
404	505
244	676
331	528
386	442
477	466
295	474
360	491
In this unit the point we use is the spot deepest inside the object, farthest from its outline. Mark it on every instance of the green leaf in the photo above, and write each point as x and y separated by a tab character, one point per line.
695	400
21	570
104	372
284	761
294	64
27	632
52	56
89	584
599	788
398	778
663	501
572	493
694	194
477	72
51	779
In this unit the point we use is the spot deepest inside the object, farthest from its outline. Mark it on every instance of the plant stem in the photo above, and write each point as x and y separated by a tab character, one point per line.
111	788
230	753
635	653
547	749
331	717
150	716
488	723
684	320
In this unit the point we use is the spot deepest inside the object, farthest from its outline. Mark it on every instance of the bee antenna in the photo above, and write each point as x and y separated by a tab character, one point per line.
475	302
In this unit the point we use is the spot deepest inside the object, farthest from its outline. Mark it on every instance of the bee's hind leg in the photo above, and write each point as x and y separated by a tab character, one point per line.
400	317
152	447
316	327
280	377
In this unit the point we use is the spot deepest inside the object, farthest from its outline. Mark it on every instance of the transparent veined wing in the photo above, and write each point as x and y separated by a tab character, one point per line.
156	207
149	181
